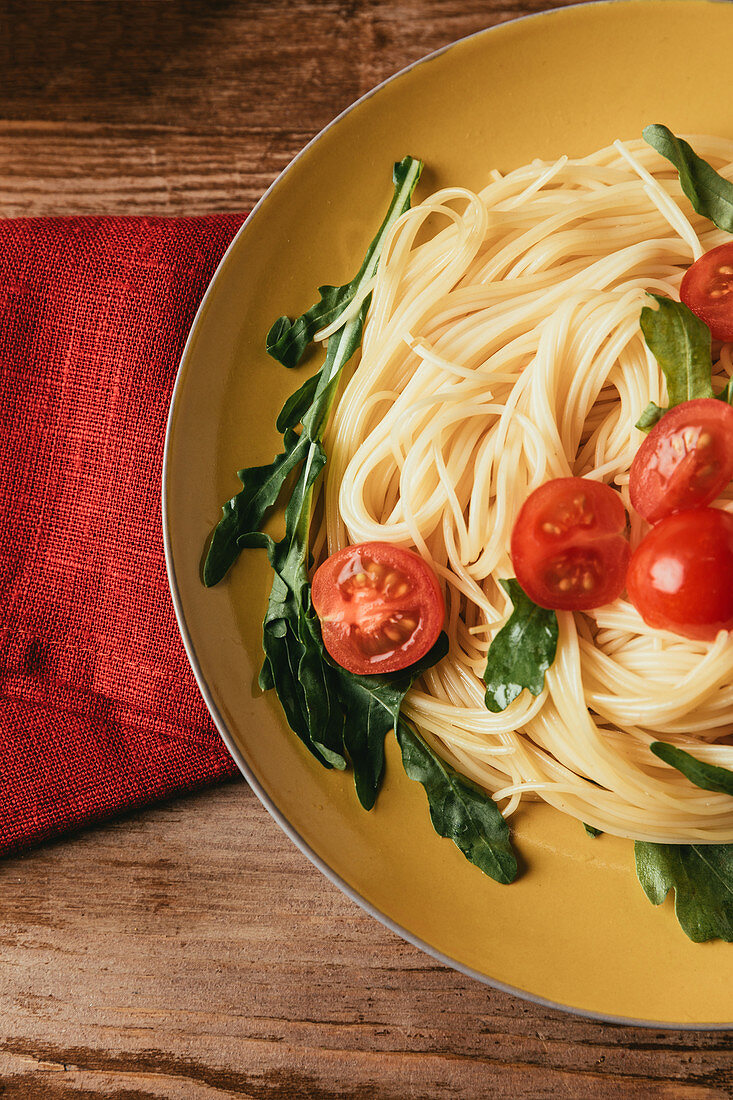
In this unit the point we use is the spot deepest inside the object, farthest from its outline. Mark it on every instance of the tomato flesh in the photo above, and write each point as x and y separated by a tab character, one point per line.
380	607
707	289
681	574
685	461
568	548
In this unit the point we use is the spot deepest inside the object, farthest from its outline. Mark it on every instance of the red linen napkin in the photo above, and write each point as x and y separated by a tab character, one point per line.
99	711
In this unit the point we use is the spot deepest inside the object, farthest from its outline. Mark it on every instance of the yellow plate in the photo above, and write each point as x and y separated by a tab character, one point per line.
576	930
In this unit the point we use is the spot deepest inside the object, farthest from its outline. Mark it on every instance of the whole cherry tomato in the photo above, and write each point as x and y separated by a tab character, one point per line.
380	607
681	574
568	548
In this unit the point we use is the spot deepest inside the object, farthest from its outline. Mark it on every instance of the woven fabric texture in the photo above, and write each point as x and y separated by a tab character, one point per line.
99	711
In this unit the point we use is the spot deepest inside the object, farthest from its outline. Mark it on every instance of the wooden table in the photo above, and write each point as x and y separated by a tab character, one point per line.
190	950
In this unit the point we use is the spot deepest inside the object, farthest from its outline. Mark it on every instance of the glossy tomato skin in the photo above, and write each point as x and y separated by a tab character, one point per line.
568	547
681	574
685	461
380	607
707	289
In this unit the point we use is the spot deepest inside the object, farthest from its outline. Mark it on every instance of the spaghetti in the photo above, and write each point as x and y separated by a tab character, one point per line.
502	348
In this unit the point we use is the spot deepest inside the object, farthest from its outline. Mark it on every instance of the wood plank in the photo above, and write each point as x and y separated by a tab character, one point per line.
193	949
170	107
50	168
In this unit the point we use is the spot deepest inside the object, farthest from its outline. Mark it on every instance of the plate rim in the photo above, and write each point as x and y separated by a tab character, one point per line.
290	831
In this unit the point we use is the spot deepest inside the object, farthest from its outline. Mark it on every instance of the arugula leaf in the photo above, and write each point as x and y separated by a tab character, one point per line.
291	639
244	513
459	809
701	876
652	414
297	404
680	342
311	404
372	704
308	687
710	777
521	652
710	194
287	340
591	830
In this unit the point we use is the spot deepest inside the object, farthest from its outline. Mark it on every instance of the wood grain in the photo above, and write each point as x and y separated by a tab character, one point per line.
191	951
177	106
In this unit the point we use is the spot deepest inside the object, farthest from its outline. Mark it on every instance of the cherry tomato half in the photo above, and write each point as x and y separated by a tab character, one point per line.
381	607
681	574
568	549
685	461
707	289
